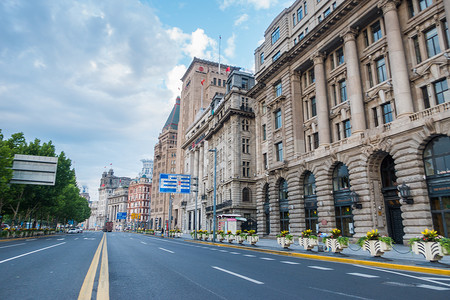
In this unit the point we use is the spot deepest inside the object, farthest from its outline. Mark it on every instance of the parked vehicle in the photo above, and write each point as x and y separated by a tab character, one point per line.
72	230
108	227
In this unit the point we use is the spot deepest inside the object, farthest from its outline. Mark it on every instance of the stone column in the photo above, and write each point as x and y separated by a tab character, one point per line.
447	11
323	119
400	78
354	81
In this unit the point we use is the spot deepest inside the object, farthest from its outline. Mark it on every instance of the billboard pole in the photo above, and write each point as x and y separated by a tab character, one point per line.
170	214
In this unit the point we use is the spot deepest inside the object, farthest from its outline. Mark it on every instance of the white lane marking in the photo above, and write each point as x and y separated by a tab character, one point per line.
239	275
212	249
432	287
234	253
28	253
320	268
166	250
435	278
249	255
223	250
12	245
144	243
267	258
91	239
289	262
406	275
61	239
363	275
31	240
76	239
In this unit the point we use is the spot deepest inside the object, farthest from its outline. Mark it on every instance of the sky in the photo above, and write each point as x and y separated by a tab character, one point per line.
99	78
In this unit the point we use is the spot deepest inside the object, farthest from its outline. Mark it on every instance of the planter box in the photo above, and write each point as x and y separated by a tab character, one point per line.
308	243
239	239
284	242
432	251
334	246
205	237
376	247
252	240
220	237
230	238
178	234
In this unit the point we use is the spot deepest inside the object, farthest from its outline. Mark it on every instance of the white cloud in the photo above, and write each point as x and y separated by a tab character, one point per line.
257	4
174	80
241	20
231	46
196	44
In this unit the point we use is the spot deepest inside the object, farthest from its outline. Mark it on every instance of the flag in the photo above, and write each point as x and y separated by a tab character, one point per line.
203	81
228	69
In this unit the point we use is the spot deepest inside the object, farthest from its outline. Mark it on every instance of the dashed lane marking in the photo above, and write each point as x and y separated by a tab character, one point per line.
28	253
166	250
249	255
234	253
320	268
144	243
289	262
363	275
12	245
432	287
239	275
267	258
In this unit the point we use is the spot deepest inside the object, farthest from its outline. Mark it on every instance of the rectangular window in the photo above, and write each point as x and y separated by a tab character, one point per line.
381	70
295	41
424	4
316	140
313	107
294	20
334	5
326	12
275	35
333	91
312	78
343	91
245	169
300	14
264	136
279	151
306	30
366	38
375	116
447	35
261	58
244	83
411	12
264	107
266	166
426	99
301	36
306	8
347	128
376	31
276	56
387	113
220	81
340	56
432	40
417	49
278	123
369	74
278	90
332	65
319	19
215	81
310	143
245	146
441	90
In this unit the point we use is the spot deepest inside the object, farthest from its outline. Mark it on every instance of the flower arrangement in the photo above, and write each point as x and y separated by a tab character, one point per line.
221	233
374	235
432	236
251	233
336	234
229	233
308	234
285	234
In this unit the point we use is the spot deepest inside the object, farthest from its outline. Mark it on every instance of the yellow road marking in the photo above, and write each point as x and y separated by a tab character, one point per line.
103	281
88	284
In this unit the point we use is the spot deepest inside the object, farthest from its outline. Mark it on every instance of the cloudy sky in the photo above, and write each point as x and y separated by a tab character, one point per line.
99	77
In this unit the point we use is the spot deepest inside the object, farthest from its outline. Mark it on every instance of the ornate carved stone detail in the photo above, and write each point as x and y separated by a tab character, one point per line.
318	57
430	126
388	5
376	143
349	34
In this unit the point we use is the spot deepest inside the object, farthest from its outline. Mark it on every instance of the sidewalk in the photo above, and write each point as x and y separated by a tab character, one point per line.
399	256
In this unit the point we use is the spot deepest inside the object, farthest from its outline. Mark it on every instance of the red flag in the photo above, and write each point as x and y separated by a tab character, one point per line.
203	81
228	69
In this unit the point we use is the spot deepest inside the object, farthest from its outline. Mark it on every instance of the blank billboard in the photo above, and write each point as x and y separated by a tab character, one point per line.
32	169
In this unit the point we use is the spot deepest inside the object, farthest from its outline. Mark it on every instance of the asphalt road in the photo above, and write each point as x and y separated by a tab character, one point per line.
147	267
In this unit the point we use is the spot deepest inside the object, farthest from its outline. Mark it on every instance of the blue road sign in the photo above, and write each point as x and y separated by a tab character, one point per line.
174	183
121	216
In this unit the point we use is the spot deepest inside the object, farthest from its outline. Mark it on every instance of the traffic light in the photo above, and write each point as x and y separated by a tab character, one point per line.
194	184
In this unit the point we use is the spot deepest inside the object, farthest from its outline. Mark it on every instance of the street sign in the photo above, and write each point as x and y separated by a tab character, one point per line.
175	183
36	170
121	215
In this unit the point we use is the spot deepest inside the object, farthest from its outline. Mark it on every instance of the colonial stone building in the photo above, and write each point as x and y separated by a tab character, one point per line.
139	201
118	202
353	106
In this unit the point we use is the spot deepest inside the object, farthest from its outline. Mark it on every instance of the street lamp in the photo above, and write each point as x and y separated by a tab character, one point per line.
214	202
355	200
405	193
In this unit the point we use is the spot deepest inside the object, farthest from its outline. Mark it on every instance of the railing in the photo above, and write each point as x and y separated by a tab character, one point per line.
430	111
220	206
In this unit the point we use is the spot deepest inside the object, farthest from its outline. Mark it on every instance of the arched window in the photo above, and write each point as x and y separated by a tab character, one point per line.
283	191
246	195
340	178
284	207
342	200
437	156
309	188
309	185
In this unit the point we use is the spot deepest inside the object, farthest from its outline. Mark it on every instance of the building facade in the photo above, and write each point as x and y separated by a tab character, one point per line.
352	106
139	199
118	203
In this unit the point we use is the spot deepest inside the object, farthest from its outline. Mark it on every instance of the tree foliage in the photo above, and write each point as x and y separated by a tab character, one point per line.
18	201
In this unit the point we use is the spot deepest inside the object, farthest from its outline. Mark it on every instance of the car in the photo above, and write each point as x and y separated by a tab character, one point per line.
80	230
72	230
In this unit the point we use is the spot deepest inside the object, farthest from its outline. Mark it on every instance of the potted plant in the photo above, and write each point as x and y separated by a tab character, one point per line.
229	236
285	239
307	239
178	232
431	245
252	237
375	243
220	235
240	236
335	242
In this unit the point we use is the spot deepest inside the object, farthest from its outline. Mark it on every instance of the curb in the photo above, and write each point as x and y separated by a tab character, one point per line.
337	259
27	238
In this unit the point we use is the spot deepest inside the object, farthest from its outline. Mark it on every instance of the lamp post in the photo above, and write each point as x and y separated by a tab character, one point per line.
405	194
355	200
214	202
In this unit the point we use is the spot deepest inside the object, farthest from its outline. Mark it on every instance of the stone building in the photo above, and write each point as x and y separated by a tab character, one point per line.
165	153
353	106
118	203
227	127
139	199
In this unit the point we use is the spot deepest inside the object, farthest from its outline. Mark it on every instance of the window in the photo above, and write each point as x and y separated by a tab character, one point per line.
424	4
278	89
441	90
244	84
340	56
334	5
426	99
215	81
341	179
261	58
387	113
276	56
381	70
306	8
246	195
245	169
278	123
432	40
326	12
309	185
275	35
347	128
319	19
263	107
245	145
437	156
264	134
366	38
301	36
316	140
294	20
313	107
220	82
343	90
306	30
284	205
447	35
417	49
311	76
376	31
266	165
375	116
369	75
245	125
411	12
300	14
279	151
338	132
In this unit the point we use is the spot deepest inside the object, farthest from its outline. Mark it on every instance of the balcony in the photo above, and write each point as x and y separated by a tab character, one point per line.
219	206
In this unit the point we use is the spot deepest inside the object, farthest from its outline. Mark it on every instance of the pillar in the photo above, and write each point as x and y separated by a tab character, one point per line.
323	119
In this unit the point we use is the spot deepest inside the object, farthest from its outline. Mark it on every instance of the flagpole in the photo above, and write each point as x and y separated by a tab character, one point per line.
220	39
